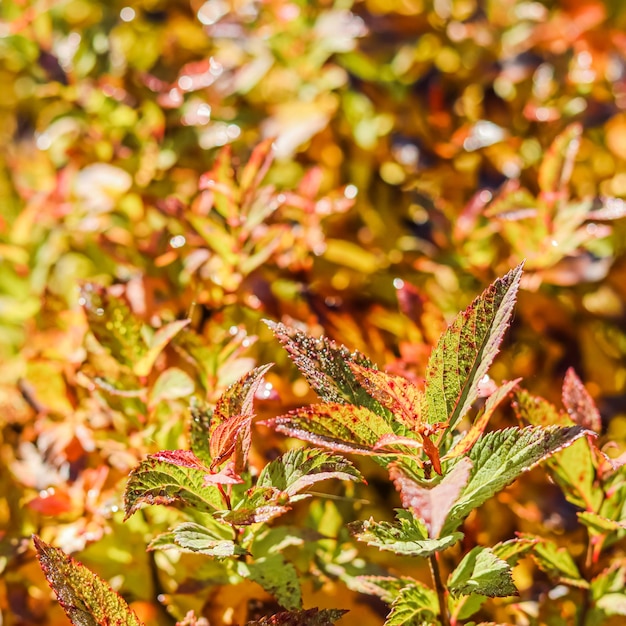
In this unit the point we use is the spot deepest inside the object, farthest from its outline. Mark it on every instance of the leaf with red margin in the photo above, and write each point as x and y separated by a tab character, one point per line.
86	599
466	350
171	477
431	505
300	468
340	427
478	427
579	404
325	365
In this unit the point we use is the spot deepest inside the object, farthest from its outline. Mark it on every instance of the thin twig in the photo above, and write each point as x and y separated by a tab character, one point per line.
441	591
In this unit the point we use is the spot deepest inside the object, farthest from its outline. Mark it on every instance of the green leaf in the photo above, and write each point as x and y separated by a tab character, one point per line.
610	580
482	572
463	607
86	599
326	366
192	537
538	411
557	563
277	577
500	456
172	384
415	605
113	324
465	444
340	427
402	397
172	477
407	536
466	350
600	525
574	468
308	617
156	345
201	415
273	540
302	467
513	550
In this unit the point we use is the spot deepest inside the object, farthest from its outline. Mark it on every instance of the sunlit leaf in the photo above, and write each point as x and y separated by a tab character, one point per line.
476	430
482	572
499	457
387	588
406	536
302	467
340	427
467	349
86	599
325	365
113	324
573	468
192	537
201	416
400	396
237	400
174	478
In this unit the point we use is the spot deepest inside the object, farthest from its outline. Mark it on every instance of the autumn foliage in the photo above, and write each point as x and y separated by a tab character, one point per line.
235	385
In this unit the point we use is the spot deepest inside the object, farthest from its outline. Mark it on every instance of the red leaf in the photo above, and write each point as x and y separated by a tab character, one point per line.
224	438
181	458
229	432
238	398
431	505
579	404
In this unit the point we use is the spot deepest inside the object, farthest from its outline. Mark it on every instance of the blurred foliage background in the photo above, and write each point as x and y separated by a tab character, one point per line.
363	169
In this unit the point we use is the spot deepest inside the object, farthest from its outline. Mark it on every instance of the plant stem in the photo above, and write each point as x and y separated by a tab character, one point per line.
441	591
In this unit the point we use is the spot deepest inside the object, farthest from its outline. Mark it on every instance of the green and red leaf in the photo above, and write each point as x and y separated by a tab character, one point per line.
466	350
86	599
579	404
338	426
